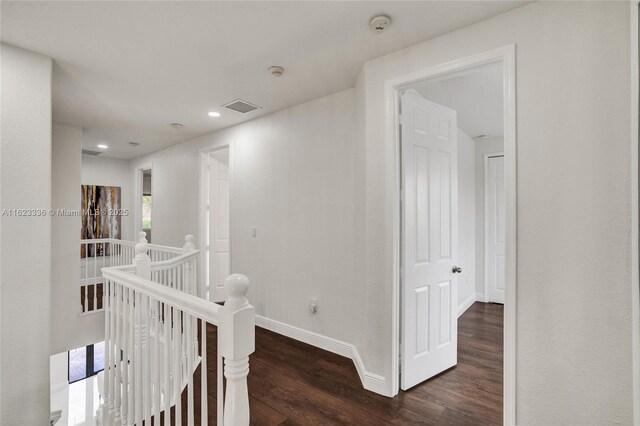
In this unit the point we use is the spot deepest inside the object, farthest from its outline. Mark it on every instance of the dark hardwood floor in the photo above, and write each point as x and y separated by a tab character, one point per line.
292	383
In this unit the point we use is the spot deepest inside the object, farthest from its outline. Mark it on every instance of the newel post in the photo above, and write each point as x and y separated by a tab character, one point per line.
142	261
237	342
190	275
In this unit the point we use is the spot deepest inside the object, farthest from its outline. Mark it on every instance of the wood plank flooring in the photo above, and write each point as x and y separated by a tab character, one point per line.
292	383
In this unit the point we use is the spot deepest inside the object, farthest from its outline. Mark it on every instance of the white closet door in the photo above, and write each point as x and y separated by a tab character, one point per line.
495	229
219	253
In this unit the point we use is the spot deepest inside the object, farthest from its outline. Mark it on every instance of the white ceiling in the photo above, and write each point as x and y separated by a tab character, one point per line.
125	70
476	94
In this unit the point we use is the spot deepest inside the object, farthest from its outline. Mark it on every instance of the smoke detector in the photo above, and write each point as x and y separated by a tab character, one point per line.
177	125
380	23
276	71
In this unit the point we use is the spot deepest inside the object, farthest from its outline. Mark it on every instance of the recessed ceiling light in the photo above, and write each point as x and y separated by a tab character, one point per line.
103	146
177	125
214	114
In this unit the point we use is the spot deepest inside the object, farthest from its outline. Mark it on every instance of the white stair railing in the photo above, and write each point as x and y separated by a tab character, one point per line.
153	344
101	253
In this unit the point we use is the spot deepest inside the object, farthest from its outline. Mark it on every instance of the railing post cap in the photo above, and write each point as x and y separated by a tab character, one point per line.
188	243
141	248
237	286
142	237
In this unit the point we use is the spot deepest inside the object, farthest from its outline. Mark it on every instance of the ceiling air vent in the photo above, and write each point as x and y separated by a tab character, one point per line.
241	106
89	152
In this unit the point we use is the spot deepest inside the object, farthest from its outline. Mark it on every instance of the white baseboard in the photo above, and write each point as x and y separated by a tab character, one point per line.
480	297
370	381
466	304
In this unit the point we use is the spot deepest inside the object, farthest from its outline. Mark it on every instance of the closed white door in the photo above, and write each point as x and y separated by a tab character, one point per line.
495	228
429	239
219	254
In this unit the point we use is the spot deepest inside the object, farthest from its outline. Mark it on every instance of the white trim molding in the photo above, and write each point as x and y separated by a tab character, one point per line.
462	307
370	381
635	211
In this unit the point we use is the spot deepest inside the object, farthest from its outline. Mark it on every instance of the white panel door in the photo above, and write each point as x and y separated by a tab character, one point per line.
429	239
219	254
495	229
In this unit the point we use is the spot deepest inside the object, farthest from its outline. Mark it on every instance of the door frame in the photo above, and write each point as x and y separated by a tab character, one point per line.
487	155
203	189
137	206
505	54
635	209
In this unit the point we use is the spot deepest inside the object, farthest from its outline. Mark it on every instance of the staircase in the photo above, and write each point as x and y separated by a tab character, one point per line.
156	311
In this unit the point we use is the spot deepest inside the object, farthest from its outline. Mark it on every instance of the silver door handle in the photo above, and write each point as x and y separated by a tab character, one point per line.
456	269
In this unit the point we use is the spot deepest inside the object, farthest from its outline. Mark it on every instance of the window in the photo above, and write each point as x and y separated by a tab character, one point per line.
86	362
146	212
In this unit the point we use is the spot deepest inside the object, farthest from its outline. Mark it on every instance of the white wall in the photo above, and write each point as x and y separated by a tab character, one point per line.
293	179
483	146
25	247
573	267
466	220
68	329
104	171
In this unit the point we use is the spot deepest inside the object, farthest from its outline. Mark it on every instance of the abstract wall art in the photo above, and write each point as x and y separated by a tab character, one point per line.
101	217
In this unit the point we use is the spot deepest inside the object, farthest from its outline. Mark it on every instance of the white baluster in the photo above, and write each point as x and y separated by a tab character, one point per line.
167	365
132	388
177	363
124	409
146	359
138	361
118	366
107	343
220	384
112	346
85	302
204	416
157	367
189	340
237	338
95	281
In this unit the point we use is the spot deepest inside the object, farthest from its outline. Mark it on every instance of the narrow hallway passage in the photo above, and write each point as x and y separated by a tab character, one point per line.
292	383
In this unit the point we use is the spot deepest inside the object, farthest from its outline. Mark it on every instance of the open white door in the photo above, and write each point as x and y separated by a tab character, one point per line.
429	239
495	229
219	253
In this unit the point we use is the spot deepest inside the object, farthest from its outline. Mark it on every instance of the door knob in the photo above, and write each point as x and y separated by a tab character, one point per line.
456	269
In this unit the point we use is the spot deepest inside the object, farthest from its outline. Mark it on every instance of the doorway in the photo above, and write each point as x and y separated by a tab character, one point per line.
144	201
215	219
441	261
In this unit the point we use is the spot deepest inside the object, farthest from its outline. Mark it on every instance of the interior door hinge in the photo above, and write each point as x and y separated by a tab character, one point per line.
402	119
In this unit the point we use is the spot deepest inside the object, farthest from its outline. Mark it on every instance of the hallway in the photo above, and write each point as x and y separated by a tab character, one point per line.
292	383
